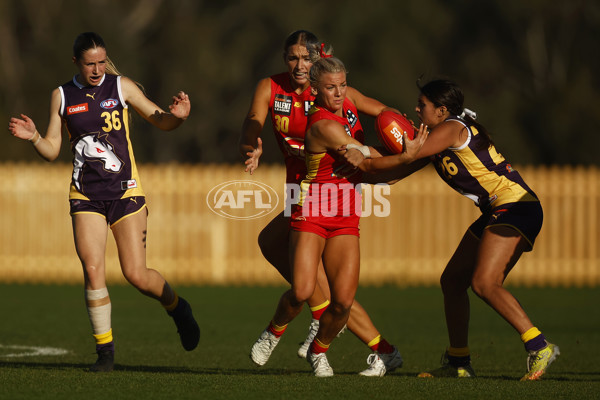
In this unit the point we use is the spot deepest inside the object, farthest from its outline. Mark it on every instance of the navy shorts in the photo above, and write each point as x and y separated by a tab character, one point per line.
112	210
525	217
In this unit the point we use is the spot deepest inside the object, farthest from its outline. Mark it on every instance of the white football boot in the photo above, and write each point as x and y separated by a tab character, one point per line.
379	363
312	332
319	364
264	346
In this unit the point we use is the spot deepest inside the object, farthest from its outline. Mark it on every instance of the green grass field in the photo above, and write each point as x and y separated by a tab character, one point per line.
151	364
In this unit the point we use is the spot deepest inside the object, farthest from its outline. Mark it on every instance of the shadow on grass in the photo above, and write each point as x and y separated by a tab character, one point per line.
151	369
557	377
561	377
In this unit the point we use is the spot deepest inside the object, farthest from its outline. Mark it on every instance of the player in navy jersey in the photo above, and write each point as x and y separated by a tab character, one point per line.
105	186
511	217
287	98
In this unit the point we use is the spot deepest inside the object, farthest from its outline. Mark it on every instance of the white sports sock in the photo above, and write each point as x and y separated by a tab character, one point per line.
99	310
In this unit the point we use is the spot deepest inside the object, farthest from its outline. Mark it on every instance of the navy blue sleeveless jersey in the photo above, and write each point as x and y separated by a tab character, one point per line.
97	120
481	173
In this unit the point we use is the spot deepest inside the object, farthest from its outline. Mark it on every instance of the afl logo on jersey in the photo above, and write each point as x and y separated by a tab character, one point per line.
109	104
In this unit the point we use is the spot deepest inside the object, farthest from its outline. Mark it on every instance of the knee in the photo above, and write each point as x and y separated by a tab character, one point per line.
137	278
452	282
483	287
92	270
340	309
301	293
302	290
93	273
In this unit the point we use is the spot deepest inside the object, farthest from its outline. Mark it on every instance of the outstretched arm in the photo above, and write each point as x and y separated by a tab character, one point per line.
386	163
179	110
48	147
396	174
250	143
398	166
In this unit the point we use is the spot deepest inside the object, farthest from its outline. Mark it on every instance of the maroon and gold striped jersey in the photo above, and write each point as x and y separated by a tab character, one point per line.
480	173
97	121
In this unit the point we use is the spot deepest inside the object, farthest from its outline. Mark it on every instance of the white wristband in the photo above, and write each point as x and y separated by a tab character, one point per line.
363	149
37	140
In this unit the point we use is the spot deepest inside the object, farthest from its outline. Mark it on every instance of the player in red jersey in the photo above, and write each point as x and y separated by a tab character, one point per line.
105	187
274	238
287	98
329	231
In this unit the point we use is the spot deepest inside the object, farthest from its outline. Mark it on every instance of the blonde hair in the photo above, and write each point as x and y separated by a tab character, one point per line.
316	51
111	69
330	65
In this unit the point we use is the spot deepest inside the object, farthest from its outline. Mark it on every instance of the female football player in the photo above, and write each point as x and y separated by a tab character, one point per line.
105	187
324	224
287	98
465	157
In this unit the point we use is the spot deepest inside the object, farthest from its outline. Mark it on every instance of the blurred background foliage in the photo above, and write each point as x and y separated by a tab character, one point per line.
529	68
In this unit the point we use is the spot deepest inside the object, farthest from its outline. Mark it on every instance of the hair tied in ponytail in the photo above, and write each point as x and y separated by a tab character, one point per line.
470	113
322	53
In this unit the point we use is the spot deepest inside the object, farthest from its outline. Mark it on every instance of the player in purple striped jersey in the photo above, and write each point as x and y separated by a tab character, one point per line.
466	158
105	187
511	218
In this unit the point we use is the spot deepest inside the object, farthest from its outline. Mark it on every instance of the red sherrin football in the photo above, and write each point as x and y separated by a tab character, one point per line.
389	127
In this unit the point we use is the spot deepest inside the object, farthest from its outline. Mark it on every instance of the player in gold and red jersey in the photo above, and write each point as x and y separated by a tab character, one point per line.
288	110
325	232
329	204
105	186
287	98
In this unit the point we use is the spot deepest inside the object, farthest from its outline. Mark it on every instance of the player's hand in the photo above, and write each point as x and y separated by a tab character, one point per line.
181	106
253	157
412	147
352	159
22	128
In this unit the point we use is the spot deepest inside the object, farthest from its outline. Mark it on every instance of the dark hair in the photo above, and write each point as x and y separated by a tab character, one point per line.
443	92
91	40
305	38
86	41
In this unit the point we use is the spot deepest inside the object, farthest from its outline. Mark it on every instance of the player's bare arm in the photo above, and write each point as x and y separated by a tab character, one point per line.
166	121
412	152
48	145
250	144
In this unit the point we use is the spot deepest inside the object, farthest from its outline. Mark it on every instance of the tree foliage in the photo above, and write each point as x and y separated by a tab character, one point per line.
527	68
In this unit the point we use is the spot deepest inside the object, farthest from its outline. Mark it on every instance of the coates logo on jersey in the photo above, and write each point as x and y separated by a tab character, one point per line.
242	199
109	104
78	108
